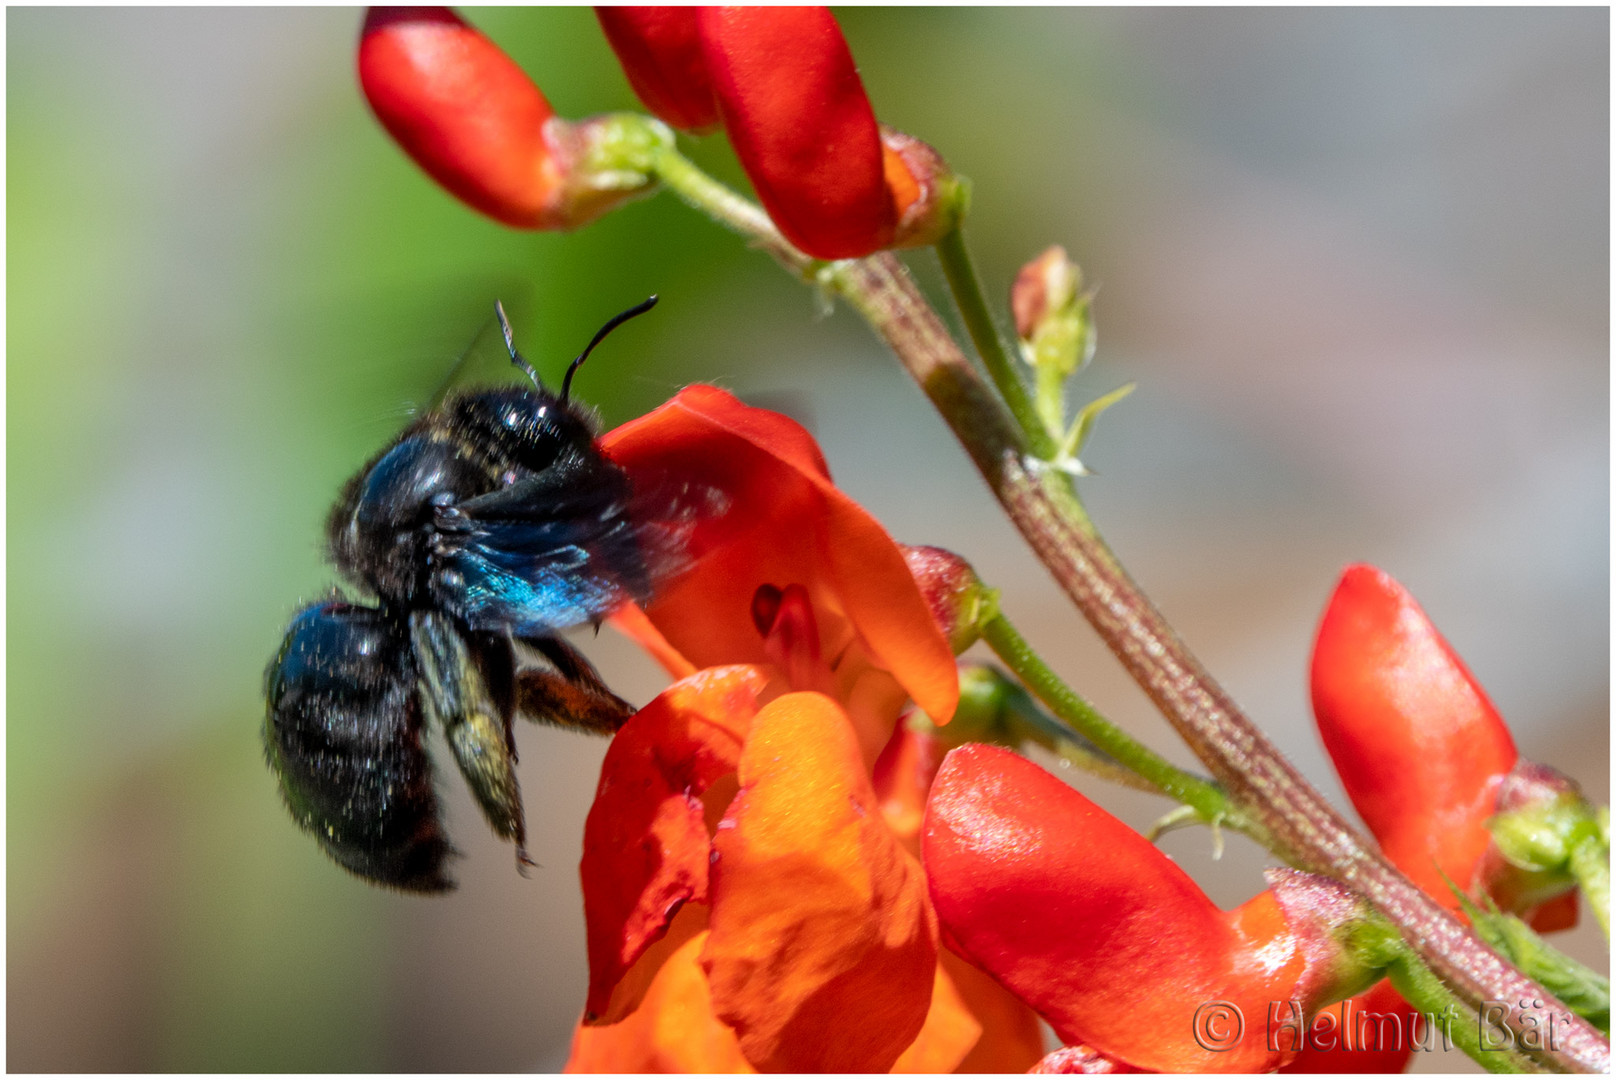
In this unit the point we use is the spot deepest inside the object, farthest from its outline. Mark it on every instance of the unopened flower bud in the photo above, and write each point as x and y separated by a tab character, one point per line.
1052	314
958	600
928	200
1542	817
473	120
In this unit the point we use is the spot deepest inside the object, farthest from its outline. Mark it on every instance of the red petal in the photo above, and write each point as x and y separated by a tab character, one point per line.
1557	914
660	50
823	949
902	777
463	110
802	126
787	524
1092	926
646	841
1418	746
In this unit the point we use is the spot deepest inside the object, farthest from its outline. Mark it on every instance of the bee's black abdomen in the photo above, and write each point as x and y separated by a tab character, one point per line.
343	733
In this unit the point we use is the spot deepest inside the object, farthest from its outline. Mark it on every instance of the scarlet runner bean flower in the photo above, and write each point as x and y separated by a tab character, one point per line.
782	80
752	892
1105	936
478	125
1424	757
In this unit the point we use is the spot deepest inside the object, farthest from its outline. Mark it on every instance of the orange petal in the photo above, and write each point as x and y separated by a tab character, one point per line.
947	1035
674	1029
823	948
646	842
787	524
1012	1041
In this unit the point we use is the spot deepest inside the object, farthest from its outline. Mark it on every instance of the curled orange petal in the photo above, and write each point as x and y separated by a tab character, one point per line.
673	1030
787	524
823	947
646	841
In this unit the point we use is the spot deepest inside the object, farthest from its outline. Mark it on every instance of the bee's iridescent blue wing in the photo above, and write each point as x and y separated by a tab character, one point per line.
563	548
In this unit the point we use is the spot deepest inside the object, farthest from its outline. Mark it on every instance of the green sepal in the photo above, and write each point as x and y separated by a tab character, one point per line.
1078	435
1584	991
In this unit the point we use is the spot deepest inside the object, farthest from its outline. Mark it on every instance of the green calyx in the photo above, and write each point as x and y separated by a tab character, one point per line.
1557	842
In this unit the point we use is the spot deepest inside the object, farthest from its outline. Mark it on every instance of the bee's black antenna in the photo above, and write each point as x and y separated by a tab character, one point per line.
510	347
611	324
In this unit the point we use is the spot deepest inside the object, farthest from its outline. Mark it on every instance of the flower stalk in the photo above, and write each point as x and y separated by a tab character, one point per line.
1204	797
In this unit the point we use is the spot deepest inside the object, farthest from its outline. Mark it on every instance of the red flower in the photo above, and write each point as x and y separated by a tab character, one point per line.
750	888
1423	756
783	82
478	125
1102	934
1417	744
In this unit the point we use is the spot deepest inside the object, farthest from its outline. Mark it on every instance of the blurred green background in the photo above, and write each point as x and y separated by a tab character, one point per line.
1357	261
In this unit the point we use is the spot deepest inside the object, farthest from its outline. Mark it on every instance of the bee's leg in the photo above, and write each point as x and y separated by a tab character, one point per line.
573	695
467	686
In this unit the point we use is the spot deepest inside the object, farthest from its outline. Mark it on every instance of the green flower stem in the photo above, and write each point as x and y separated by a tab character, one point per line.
1427	994
681	176
973	309
1203	796
1019	720
1304	829
1590	863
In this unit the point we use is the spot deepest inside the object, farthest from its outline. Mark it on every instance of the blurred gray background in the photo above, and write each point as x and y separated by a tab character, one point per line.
1356	260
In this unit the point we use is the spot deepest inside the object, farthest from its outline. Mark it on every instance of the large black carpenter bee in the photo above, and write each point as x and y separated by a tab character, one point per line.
489	525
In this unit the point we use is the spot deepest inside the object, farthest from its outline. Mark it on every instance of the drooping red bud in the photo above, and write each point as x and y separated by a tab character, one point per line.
1419	748
1423	757
800	122
1092	926
463	110
476	123
660	50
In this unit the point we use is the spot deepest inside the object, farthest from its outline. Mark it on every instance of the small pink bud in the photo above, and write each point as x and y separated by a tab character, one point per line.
959	602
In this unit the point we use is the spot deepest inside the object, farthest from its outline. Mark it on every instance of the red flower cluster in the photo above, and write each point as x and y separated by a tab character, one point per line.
781	81
752	889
